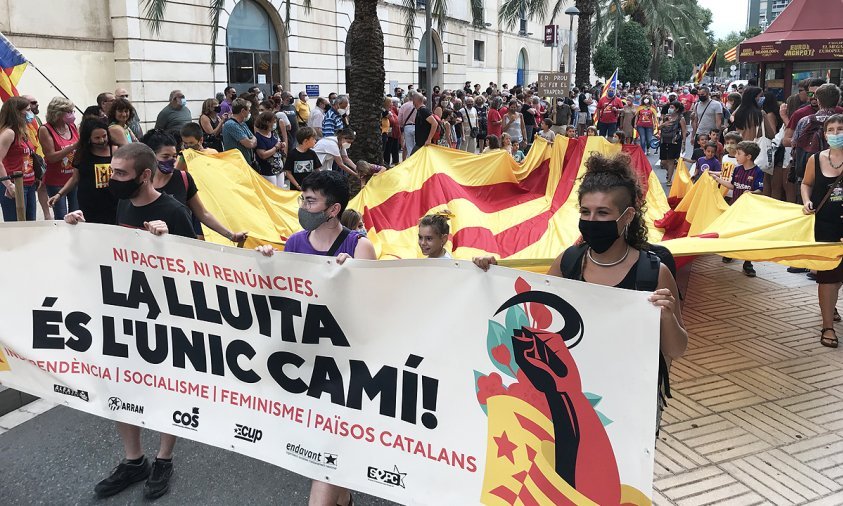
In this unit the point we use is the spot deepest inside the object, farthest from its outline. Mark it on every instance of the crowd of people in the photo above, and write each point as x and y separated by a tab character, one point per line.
108	170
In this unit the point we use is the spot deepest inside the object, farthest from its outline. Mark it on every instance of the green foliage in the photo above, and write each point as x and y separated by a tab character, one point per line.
634	53
668	70
605	60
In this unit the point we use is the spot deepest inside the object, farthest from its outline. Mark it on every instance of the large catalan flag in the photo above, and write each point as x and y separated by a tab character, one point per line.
12	65
698	76
611	83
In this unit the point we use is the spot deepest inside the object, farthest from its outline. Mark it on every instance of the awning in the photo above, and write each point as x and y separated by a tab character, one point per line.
806	30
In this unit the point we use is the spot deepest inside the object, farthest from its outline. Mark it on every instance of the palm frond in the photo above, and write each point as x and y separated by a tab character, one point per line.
409	7
154	11
557	7
440	13
306	7
510	13
214	10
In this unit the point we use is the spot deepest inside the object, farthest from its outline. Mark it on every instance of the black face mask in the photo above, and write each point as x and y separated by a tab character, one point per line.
125	190
703	98
217	109
599	235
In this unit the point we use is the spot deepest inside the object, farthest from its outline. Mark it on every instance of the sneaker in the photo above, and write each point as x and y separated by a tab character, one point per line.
797	270
812	276
123	475
158	482
748	269
727	260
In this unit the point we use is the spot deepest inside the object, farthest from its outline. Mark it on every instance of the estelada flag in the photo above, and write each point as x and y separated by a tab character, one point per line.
705	66
12	65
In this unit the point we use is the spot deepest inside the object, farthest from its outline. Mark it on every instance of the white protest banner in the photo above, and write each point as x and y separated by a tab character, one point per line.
420	381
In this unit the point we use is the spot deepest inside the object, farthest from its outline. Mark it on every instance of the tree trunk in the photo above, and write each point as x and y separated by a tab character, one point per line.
366	81
586	8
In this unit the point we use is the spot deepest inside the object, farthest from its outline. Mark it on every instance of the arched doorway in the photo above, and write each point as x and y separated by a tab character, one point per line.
522	68
436	80
255	52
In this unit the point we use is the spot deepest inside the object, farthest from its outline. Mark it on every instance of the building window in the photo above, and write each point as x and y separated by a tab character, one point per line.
479	50
522	28
253	54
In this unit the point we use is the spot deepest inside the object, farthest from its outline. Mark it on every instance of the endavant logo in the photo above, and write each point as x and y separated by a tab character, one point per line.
323	459
187	419
116	404
61	389
394	478
247	433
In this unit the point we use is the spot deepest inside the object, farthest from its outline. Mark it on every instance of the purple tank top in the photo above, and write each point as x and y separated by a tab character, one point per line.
300	243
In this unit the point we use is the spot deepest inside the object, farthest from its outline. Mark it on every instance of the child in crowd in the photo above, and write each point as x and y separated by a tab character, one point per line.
746	177
517	153
191	138
709	161
571	132
352	220
729	162
493	142
546	133
699	151
714	136
627	121
368	170
433	234
591	131
619	137
302	160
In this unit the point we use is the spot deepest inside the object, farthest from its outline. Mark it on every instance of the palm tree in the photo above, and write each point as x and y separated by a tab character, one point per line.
512	11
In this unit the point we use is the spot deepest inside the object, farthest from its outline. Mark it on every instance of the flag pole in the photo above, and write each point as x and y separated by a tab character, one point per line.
54	85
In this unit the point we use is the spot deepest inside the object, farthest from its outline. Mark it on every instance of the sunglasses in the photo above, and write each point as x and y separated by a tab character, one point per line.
810	94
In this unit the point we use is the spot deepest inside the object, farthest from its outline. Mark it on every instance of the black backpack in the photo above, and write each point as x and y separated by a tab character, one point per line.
646	280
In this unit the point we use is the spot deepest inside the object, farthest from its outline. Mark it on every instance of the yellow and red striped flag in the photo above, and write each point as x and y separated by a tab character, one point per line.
705	66
12	65
732	54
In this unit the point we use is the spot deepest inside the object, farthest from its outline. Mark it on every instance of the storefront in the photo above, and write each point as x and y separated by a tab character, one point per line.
805	40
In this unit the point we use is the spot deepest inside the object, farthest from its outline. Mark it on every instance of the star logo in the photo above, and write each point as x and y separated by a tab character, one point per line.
330	459
114	403
506	448
400	476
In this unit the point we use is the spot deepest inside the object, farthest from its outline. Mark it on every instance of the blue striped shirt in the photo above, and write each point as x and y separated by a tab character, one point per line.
332	123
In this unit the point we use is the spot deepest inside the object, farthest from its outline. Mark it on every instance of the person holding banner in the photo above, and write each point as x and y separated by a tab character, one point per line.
16	155
324	197
614	251
141	206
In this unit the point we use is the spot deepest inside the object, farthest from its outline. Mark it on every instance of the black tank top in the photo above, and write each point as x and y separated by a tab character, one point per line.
827	227
628	282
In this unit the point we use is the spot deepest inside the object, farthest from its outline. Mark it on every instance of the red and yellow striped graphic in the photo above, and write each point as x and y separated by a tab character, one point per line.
732	54
704	68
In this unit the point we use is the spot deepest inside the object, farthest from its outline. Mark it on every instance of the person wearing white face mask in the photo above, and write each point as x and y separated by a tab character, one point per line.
175	115
333	121
334	150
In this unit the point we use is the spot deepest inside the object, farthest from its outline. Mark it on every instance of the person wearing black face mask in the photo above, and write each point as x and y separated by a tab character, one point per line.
614	250
211	123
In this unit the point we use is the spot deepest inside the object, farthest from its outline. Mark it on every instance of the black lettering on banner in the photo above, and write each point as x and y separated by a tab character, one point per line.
139	293
45	329
288	308
320	323
276	363
243	320
383	384
235	349
326	378
175	307
203	312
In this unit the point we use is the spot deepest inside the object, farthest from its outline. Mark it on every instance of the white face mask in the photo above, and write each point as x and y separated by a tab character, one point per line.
260	96
341	111
346	145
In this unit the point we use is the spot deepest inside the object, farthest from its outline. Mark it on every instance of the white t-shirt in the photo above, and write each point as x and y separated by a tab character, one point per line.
327	149
471	114
280	116
316	117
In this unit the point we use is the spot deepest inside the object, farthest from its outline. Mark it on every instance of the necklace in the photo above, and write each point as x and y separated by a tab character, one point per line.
609	264
835	167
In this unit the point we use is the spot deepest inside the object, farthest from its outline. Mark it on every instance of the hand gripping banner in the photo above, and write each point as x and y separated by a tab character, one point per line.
419	381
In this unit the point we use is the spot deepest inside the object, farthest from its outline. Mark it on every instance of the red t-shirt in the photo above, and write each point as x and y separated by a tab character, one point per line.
58	173
19	159
645	116
804	112
687	100
491	128
607	109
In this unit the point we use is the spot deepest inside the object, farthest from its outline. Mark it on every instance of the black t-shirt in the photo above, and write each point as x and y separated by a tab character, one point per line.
290	111
529	118
301	164
95	200
422	126
264	143
164	208
180	186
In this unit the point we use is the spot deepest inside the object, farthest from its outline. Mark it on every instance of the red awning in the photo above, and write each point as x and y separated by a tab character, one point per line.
805	30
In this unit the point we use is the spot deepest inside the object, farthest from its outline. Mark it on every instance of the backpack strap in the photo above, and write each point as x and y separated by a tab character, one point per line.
332	251
647	271
571	260
184	179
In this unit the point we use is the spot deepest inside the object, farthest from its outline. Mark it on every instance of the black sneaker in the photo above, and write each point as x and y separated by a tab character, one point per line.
796	270
727	260
158	482
123	475
748	269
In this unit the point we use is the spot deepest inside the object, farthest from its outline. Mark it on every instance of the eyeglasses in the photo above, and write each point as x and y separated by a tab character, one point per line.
307	202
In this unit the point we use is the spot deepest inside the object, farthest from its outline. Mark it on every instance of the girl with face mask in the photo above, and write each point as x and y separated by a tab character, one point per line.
16	155
822	192
673	129
91	172
59	140
614	243
646	122
180	185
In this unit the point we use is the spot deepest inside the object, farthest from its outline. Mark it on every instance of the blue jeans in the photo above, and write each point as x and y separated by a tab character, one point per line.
66	204
607	130
645	136
8	205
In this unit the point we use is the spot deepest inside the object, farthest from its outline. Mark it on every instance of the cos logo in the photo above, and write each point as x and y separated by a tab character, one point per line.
188	420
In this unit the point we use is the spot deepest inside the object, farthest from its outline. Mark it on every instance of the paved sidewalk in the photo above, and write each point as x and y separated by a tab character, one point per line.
757	413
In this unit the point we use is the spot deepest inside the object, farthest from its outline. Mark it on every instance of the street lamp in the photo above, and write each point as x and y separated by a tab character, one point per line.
572	12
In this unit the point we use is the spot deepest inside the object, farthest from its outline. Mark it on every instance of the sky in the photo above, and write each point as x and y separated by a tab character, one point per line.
727	15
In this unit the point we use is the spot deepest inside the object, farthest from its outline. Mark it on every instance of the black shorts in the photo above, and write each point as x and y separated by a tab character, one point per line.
830	277
669	151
